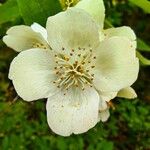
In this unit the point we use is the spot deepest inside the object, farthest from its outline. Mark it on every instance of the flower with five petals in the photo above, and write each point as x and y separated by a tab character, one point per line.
76	64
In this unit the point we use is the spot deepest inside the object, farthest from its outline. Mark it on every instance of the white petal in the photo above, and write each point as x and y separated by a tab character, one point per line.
104	115
127	93
102	105
107	96
72	29
38	28
95	8
117	66
120	31
22	38
31	73
123	31
73	113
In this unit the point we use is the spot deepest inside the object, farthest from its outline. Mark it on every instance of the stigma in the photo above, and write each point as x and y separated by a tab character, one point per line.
74	68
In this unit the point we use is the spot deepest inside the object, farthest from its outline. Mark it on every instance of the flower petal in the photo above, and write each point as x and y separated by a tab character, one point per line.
104	115
23	37
127	93
120	31
117	66
72	29
107	96
75	112
123	31
95	8
102	105
32	75
38	28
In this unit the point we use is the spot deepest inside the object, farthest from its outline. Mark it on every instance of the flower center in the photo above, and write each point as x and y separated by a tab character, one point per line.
74	69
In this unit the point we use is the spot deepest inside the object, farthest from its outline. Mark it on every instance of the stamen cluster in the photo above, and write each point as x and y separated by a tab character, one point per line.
74	69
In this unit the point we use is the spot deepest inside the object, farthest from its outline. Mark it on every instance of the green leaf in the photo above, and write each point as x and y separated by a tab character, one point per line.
143	60
142	46
9	11
38	10
108	24
143	4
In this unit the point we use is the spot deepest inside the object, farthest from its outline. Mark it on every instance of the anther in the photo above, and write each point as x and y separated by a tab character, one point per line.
62	78
79	55
94	57
57	72
63	48
67	58
92	66
76	85
83	89
76	62
71	54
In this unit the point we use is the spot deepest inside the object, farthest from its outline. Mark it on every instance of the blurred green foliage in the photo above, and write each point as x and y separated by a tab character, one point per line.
23	125
38	11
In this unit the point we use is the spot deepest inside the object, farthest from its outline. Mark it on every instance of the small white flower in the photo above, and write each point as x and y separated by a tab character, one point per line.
85	68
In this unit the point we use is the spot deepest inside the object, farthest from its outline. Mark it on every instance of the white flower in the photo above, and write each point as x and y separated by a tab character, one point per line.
80	73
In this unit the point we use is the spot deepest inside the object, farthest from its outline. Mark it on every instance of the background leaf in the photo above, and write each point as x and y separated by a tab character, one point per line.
143	4
142	46
9	11
38	10
143	60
